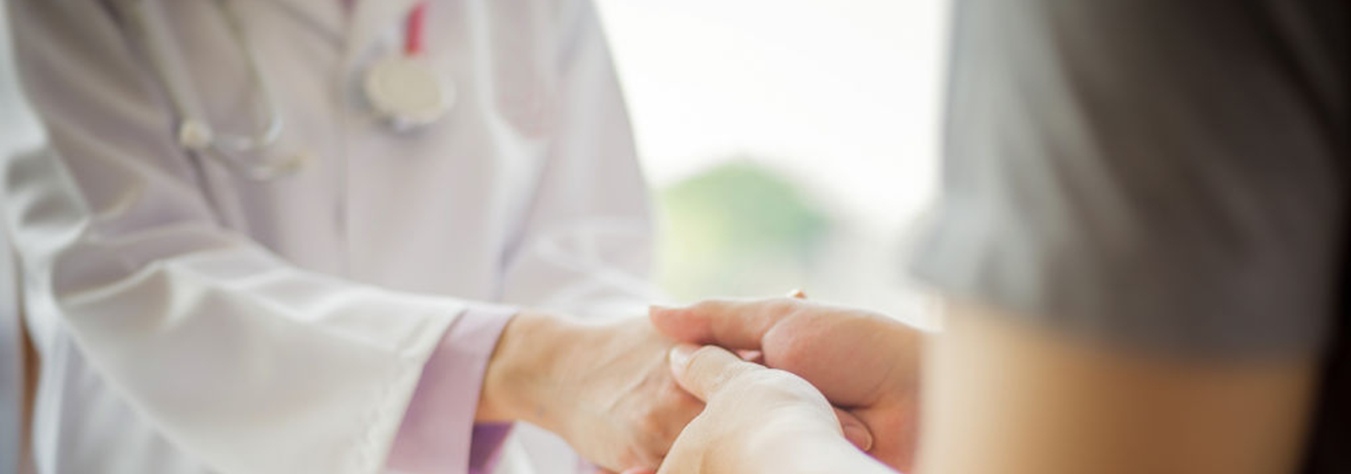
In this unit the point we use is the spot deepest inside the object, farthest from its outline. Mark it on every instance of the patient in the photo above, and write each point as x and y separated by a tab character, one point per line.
1142	252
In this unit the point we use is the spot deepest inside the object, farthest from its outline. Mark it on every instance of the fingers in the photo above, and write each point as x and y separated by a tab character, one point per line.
731	324
727	323
855	430
704	371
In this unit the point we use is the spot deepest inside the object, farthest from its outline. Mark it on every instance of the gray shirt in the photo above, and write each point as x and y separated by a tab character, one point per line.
1160	175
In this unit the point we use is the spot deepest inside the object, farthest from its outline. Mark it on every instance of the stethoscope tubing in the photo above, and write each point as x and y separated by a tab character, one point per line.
196	134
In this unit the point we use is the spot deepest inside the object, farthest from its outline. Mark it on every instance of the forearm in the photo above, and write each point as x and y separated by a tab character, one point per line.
1033	401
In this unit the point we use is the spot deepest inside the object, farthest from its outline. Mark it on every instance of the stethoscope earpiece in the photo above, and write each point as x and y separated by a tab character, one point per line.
194	135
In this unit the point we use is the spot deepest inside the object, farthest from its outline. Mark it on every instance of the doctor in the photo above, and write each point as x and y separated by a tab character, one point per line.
304	236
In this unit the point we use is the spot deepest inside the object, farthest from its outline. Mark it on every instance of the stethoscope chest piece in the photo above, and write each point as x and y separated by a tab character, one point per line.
405	91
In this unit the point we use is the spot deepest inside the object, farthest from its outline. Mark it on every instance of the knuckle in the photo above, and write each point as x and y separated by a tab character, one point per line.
782	302
784	305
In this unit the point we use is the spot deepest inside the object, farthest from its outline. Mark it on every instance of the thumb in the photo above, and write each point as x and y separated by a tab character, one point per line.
727	323
855	430
704	371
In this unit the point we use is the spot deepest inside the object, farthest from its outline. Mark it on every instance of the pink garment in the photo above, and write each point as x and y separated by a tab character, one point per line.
438	434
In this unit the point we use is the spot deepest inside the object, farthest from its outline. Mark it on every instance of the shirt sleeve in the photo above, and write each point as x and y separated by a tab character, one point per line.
1156	174
438	433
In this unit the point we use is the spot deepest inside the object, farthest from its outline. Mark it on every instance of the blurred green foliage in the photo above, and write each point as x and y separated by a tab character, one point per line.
738	229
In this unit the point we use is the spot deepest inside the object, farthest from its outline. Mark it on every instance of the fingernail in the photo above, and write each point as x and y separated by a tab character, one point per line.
680	355
858	436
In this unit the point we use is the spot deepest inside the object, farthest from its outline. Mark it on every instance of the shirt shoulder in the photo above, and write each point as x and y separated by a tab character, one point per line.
1168	175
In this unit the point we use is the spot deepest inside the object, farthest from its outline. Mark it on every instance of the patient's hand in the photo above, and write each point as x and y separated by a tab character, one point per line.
606	389
758	420
863	362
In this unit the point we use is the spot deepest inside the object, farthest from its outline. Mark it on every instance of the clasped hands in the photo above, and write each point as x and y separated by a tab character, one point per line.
831	377
823	383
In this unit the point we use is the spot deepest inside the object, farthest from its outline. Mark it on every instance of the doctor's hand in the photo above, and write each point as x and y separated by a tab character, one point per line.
757	420
863	362
606	389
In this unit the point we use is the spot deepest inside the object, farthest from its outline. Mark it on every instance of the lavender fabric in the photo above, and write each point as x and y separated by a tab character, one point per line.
438	432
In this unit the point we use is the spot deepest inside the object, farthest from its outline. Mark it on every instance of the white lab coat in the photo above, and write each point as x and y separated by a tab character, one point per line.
192	320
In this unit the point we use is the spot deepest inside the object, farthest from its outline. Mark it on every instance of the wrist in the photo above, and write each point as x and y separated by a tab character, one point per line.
520	382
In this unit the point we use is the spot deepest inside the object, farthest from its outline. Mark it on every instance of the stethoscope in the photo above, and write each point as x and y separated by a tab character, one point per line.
402	90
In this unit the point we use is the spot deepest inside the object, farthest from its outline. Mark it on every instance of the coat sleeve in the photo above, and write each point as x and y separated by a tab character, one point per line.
240	359
586	244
